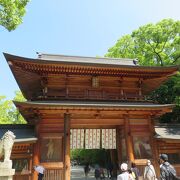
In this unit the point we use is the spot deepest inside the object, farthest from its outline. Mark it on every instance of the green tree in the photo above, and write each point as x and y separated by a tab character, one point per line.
155	45
19	96
8	112
123	48
11	13
91	156
169	93
17	117
5	107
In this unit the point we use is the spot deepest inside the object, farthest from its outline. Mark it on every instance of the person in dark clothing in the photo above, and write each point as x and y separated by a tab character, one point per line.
109	170
97	172
167	171
86	170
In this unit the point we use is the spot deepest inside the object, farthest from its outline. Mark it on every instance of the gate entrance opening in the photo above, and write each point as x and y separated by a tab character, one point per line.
95	147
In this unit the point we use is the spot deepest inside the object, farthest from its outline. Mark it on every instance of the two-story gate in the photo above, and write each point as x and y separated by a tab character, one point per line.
68	92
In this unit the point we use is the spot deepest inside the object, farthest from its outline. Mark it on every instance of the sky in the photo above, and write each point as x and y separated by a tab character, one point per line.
76	27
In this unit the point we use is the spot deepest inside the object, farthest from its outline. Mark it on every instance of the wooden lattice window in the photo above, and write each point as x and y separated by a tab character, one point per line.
95	82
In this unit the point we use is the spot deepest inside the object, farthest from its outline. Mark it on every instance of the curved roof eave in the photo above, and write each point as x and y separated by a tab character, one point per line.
107	64
30	110
26	140
53	104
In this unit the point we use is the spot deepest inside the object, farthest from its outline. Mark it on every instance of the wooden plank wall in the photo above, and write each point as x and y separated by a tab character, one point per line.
81	87
52	121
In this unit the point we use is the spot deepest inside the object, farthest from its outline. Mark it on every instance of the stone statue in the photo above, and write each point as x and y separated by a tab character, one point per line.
6	144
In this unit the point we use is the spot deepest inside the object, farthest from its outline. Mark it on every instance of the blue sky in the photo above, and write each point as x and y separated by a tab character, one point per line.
77	27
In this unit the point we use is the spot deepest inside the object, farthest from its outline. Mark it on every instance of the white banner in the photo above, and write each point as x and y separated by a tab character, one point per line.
109	138
92	139
77	139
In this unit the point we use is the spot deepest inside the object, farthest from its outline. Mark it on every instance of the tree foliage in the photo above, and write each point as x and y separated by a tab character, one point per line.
169	93
12	12
155	45
5	107
8	112
90	156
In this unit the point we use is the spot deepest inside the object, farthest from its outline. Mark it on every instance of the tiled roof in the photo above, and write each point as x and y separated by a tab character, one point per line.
168	132
90	60
22	132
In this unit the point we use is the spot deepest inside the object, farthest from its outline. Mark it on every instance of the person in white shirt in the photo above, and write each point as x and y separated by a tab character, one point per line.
149	172
40	170
125	174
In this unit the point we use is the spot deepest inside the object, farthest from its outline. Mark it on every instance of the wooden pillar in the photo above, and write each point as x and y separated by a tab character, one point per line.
36	153
35	159
154	145
129	143
67	162
30	167
118	144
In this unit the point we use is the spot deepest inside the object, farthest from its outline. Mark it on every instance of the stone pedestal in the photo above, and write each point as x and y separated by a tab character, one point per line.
6	171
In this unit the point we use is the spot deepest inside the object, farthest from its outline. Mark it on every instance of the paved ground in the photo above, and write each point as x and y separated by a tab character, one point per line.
77	173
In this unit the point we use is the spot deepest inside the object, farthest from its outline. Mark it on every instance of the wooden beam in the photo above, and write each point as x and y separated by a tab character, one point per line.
35	158
118	144
67	163
129	143
97	121
153	144
85	126
36	153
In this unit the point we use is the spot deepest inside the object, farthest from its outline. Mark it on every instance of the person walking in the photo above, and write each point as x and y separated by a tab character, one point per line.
102	176
125	174
86	170
40	170
131	174
135	170
109	170
167	171
149	172
97	172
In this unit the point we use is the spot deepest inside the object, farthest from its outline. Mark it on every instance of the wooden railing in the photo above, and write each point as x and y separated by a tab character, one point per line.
96	94
53	174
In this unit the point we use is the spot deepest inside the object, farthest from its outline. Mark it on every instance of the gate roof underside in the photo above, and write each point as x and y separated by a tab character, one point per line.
88	112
